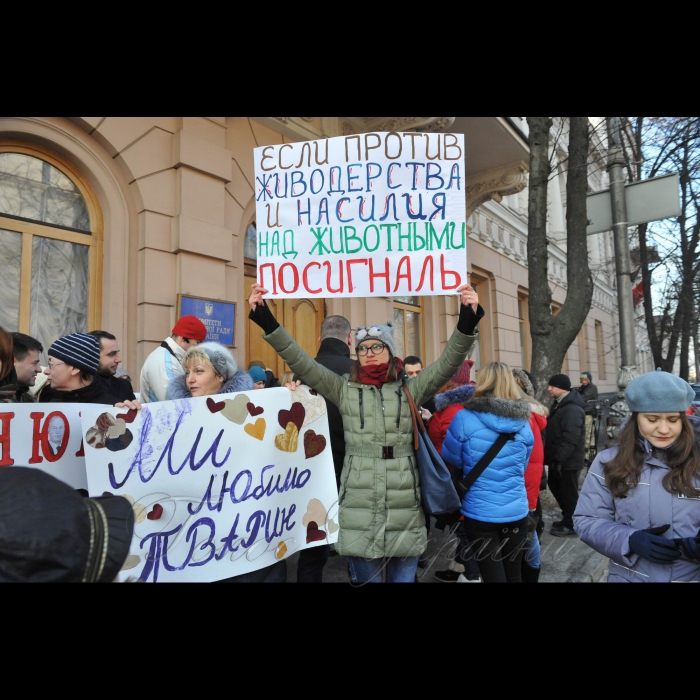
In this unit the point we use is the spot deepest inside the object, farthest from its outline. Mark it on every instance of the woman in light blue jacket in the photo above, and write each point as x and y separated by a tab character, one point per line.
495	509
640	503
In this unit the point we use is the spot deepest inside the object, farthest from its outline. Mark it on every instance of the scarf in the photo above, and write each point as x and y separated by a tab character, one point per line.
376	374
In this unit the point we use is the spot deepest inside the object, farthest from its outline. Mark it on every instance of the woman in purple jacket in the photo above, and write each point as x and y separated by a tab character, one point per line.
640	503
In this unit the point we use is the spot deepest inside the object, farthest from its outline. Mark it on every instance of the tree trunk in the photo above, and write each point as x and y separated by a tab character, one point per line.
553	336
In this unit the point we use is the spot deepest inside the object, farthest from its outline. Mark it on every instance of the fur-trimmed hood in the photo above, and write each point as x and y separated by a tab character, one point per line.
177	389
460	394
500	415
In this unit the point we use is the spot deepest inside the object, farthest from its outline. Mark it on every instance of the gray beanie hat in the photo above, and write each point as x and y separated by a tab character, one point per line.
659	392
79	350
383	334
221	359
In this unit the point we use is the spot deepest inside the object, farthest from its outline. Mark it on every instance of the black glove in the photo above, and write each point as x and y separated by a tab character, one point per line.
263	317
690	547
653	548
468	320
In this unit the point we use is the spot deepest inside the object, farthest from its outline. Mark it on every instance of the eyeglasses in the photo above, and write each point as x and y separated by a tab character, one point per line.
55	364
376	349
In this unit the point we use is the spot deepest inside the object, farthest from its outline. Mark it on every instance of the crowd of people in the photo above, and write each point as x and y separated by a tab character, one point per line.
639	504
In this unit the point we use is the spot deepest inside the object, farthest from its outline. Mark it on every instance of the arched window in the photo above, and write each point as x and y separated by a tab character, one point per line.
50	246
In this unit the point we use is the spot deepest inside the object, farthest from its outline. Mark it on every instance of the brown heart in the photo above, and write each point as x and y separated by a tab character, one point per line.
295	415
313	444
215	407
313	534
254	410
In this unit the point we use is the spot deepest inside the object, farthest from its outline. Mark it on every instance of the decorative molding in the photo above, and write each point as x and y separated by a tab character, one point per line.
495	184
408	123
297	128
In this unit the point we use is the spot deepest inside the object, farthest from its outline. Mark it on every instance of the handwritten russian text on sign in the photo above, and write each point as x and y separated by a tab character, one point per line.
221	485
45	436
371	214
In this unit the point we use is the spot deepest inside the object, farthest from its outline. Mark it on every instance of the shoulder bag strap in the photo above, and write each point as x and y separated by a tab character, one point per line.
417	420
468	481
165	345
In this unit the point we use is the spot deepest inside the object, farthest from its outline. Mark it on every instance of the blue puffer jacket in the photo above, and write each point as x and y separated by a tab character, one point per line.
499	494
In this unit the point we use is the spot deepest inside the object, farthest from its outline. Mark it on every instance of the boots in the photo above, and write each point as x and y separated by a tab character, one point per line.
528	574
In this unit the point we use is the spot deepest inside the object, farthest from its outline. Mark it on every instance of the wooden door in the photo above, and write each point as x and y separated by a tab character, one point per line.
301	317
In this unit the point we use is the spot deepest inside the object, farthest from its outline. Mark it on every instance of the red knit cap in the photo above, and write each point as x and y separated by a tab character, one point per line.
190	327
463	376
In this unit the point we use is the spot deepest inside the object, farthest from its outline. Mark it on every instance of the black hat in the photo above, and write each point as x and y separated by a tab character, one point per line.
560	381
50	533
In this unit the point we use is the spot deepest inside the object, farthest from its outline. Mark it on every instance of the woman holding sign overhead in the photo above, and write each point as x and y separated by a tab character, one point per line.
382	525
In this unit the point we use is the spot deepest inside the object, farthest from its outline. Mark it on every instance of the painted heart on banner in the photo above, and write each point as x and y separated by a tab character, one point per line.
333	527
254	410
132	561
289	440
313	444
281	550
258	430
215	407
315	512
156	513
129	416
314	406
313	534
236	410
119	428
294	415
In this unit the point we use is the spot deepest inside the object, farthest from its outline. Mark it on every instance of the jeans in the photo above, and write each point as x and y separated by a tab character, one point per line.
531	552
563	483
395	569
311	563
497	548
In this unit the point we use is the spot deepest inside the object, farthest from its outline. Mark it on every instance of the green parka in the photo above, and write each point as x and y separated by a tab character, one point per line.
379	499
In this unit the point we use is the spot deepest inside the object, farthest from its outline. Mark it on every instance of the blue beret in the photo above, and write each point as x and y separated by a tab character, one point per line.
659	392
257	374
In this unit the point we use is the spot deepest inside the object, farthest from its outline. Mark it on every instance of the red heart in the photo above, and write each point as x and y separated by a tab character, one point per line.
129	416
255	410
313	444
313	534
296	415
215	407
156	512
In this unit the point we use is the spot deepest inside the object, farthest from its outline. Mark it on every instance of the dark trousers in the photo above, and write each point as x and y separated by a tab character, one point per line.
311	563
277	573
497	549
563	483
471	569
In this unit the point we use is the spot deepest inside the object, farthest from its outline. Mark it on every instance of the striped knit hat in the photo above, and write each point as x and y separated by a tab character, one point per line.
78	350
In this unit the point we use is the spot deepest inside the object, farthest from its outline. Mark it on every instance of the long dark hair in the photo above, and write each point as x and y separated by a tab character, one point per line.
391	376
7	360
623	471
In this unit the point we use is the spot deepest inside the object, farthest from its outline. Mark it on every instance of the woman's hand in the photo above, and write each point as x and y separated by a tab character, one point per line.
469	296
256	296
292	386
131	405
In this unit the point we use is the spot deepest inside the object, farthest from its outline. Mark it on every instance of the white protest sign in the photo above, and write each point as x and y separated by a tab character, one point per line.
364	215
45	436
221	485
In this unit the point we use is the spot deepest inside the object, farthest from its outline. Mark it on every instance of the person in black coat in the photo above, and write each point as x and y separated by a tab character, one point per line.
334	354
565	450
110	359
589	393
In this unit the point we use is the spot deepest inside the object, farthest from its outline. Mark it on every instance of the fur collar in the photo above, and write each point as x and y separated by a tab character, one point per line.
457	395
177	389
507	408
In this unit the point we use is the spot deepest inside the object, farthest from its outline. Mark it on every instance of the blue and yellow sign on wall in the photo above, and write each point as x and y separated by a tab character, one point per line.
219	317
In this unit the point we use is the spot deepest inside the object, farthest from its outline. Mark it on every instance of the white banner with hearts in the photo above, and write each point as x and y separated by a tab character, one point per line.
221	485
45	436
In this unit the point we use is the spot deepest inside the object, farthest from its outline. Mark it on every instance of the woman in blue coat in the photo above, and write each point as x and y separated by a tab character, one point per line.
495	509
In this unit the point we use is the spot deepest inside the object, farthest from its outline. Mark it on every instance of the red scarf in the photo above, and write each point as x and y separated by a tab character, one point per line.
376	374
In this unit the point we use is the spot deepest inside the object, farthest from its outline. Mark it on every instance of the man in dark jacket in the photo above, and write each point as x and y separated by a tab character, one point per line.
565	450
110	359
589	392
27	365
334	354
